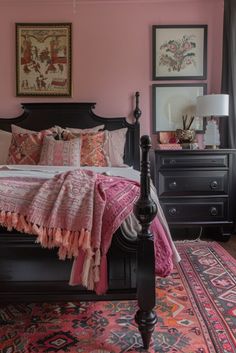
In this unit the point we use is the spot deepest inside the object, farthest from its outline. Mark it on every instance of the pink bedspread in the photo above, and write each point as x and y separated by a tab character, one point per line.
78	212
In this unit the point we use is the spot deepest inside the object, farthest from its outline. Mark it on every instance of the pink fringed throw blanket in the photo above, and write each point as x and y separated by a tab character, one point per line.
78	212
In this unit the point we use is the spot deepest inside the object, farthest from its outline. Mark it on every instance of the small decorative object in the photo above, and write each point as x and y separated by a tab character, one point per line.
189	146
212	105
43	59
167	137
200	140
179	52
186	135
169	146
186	125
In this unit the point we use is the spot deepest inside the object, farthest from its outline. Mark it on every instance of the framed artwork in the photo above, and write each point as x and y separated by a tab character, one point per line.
179	52
43	59
171	102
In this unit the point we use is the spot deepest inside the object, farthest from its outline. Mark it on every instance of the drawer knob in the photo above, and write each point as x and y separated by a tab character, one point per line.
172	161
213	184
172	211
213	211
172	185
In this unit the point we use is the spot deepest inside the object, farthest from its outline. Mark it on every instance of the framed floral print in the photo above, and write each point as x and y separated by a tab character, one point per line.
172	102
43	59
179	52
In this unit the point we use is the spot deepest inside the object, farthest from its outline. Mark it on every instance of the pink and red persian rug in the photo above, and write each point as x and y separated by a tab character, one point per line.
196	308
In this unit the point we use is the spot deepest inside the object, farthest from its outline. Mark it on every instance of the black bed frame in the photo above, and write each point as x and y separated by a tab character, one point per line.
29	273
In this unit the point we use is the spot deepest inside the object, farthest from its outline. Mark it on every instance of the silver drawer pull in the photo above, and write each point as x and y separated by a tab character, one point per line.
172	161
172	211
213	211
172	185
213	184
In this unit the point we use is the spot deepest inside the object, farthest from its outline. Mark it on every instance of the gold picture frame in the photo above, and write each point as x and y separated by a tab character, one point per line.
43	59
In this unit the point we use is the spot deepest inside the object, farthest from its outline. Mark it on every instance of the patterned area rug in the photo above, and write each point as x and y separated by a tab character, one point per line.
196	309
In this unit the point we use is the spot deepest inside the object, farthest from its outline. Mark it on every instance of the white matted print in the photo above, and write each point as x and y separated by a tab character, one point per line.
172	102
179	52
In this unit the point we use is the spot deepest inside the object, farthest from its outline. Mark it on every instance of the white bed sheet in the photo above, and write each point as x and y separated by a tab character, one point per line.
44	172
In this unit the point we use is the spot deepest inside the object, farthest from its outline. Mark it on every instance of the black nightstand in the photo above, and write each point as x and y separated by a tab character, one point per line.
195	189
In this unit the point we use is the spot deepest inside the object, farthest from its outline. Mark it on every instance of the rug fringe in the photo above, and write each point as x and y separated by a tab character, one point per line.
193	241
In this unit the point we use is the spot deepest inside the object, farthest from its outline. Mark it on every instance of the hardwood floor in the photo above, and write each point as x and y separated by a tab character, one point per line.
229	245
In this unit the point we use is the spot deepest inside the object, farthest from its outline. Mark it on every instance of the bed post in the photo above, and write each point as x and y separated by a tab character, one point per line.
137	114
145	210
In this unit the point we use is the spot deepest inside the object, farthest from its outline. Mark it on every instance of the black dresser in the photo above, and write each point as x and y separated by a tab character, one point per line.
195	188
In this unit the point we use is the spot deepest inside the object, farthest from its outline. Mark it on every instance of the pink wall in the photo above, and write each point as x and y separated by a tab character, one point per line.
111	45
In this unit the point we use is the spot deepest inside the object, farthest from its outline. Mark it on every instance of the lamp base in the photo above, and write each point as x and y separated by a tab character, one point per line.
212	134
212	147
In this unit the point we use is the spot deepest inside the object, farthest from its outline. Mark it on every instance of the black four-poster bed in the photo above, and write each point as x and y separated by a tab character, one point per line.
29	273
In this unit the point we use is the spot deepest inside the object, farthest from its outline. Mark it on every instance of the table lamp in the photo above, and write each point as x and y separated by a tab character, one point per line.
212	106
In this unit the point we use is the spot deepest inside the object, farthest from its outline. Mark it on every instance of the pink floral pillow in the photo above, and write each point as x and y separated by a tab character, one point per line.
60	153
92	148
26	148
20	130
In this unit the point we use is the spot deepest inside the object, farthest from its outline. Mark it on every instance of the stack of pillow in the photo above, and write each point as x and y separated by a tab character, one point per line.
63	147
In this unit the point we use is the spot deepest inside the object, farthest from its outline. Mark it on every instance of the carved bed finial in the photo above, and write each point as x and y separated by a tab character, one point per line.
145	210
137	112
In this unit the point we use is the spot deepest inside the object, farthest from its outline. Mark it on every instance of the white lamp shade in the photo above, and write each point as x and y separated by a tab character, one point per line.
212	105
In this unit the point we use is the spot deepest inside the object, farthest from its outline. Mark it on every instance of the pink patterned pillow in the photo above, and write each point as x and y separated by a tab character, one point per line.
26	148
92	149
60	153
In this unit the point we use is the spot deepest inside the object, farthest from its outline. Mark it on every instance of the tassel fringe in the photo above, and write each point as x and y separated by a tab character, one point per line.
68	242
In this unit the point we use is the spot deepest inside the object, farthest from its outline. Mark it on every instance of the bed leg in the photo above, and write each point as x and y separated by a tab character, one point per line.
145	210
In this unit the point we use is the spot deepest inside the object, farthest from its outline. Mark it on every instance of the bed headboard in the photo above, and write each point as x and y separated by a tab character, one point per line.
38	116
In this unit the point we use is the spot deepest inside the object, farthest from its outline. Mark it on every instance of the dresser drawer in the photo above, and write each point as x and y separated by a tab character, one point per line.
195	210
177	182
190	161
196	188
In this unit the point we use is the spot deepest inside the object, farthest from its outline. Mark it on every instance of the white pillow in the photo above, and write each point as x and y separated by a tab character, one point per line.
20	130
61	130
114	146
5	141
84	131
